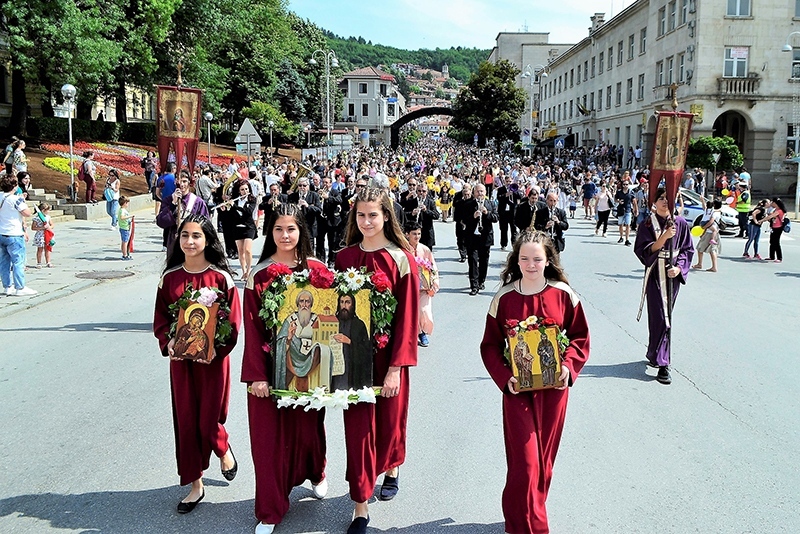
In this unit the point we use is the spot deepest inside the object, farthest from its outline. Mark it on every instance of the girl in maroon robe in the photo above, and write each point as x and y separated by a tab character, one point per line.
375	435
534	284
288	445
200	390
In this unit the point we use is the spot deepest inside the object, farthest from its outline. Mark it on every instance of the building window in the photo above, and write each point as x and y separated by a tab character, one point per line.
571	106
662	21
362	88
608	97
659	73
591	102
593	65
390	110
383	89
619	53
640	94
738	8
670	70
619	93
672	15
616	136
631	46
351	110
797	8
643	40
796	62
571	77
365	110
792	141
681	67
600	63
600	98
735	62
559	84
579	74
629	91
559	113
610	56
684	11
585	70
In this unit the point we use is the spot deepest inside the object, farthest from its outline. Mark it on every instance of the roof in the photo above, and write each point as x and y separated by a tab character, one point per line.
369	72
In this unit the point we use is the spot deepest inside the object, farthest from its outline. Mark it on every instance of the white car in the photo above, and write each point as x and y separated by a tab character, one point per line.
694	207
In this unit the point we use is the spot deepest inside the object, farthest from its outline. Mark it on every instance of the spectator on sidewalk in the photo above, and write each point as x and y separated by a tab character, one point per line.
20	159
111	194
43	225
125	218
8	156
88	173
24	186
13	235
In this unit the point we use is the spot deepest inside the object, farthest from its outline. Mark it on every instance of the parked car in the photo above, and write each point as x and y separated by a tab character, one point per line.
694	207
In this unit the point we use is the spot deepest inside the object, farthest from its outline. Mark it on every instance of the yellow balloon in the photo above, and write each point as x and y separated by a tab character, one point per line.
697	231
725	192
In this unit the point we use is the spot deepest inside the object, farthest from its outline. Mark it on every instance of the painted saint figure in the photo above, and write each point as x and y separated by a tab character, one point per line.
178	122
356	345
300	368
191	341
524	360
547	360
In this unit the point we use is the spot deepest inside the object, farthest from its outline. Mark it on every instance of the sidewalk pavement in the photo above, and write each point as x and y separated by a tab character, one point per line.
85	254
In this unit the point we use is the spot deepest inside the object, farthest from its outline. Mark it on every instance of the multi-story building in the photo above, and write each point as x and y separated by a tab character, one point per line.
372	102
726	59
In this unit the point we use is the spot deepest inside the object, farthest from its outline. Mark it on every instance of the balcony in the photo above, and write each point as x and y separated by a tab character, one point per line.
744	88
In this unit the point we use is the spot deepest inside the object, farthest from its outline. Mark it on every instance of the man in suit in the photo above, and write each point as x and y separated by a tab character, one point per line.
508	197
459	200
552	220
523	217
329	222
272	200
310	206
421	208
477	215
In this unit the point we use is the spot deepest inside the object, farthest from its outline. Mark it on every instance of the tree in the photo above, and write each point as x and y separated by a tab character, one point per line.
701	150
440	93
290	92
490	104
261	113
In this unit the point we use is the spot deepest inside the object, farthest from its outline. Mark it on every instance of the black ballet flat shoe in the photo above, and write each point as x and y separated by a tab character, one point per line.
473	292
186	507
482	287
230	474
663	375
389	488
358	526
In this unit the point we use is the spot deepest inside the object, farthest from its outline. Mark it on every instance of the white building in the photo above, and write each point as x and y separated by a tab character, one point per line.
372	102
726	58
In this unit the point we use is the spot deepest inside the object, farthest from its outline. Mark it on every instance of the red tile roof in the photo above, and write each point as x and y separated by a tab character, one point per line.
369	72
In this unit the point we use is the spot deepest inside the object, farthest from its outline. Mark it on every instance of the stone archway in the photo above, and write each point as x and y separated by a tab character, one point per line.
733	124
416	114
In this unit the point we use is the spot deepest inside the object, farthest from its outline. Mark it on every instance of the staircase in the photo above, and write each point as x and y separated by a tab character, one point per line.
56	215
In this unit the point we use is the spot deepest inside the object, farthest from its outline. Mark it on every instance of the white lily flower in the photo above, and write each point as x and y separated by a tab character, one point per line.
366	394
340	399
285	402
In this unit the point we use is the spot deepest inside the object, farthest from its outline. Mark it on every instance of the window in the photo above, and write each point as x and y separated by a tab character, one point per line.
659	73
571	77
383	89
619	94
684	11
362	88
662	21
631	46
600	63
619	53
610	56
571	106
559	84
796	62
351	110
365	110
591	102
608	97
559	112
390	110
797	8
600	98
681	68
629	91
579	74
640	94
643	40
792	141
585	70
672	15
738	8
670	70
593	65
735	62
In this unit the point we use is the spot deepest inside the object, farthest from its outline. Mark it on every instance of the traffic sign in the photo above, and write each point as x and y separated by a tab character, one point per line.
255	149
247	133
559	144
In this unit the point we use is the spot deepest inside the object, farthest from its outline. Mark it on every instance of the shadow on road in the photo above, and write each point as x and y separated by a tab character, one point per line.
787	275
446	526
88	327
629	370
628	276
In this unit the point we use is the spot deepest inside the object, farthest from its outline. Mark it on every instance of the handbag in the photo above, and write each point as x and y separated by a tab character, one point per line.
108	194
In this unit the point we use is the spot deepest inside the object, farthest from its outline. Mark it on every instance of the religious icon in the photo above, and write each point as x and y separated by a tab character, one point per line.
535	358
323	340
178	122
194	338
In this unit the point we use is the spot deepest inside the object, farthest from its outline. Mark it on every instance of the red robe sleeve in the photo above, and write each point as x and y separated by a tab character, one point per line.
406	317
492	352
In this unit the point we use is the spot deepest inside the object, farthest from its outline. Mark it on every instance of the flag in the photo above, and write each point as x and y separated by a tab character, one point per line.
670	144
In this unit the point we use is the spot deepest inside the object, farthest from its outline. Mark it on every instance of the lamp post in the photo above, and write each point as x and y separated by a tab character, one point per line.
796	123
271	125
209	117
68	91
535	74
329	58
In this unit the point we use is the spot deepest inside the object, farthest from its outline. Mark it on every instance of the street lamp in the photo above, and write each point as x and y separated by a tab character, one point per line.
271	125
68	91
535	74
329	57
796	119
209	117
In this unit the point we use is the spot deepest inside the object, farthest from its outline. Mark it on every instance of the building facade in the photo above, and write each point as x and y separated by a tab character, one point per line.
727	60
371	103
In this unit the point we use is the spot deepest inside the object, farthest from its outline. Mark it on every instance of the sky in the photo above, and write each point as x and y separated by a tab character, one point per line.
414	24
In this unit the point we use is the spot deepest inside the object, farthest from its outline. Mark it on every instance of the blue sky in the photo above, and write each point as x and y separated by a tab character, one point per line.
414	24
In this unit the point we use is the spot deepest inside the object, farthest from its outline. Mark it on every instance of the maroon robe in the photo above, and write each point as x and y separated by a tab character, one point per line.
200	391
288	444
375	435
532	421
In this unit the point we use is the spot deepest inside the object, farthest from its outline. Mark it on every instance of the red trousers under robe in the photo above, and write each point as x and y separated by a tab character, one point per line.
531	440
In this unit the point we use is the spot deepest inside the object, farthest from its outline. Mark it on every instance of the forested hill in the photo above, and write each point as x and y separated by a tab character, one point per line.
355	52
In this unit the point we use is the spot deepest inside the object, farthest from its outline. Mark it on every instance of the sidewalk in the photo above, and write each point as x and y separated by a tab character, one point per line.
85	254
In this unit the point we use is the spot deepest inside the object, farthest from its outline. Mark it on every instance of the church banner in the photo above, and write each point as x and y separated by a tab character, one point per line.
178	124
671	143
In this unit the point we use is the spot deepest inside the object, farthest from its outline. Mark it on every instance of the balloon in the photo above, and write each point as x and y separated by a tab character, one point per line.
697	231
725	192
729	200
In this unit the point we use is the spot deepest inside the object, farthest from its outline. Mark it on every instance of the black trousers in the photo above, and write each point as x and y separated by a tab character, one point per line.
478	260
742	218
775	252
602	220
460	242
330	235
504	227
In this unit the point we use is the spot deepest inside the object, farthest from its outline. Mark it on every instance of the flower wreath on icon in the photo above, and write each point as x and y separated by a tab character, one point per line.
326	327
534	351
198	317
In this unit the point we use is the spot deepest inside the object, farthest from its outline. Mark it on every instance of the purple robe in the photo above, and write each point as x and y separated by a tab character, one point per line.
167	216
658	347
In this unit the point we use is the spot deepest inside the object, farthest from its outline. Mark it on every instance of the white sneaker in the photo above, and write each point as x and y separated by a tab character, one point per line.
24	292
264	528
10	291
321	489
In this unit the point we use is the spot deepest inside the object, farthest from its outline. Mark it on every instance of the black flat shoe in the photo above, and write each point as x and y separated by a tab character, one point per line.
358	526
230	474
186	507
473	292
482	287
389	488
663	375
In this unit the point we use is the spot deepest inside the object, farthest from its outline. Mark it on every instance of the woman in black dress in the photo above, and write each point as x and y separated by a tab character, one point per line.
244	213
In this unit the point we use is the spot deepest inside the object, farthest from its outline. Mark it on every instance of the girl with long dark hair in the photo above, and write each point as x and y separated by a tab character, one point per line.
200	390
776	224
244	213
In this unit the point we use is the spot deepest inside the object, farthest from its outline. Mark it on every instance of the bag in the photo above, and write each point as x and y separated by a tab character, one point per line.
787	224
143	163
108	194
82	176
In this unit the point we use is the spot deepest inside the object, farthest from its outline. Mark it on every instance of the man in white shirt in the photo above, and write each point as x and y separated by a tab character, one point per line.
13	235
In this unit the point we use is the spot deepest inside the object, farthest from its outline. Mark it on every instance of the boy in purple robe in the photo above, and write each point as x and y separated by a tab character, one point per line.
664	246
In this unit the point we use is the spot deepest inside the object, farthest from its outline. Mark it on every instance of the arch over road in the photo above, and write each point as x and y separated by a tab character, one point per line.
416	114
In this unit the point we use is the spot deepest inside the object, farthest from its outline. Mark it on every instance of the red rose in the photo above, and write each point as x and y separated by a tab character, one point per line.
381	340
275	270
548	321
531	327
381	281
266	348
512	323
321	278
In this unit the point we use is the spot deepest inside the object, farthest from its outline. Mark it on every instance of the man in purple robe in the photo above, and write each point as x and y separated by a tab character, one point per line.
664	246
178	206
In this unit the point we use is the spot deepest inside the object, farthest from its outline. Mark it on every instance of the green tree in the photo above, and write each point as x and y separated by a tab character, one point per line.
261	113
491	103
702	149
440	93
290	92
451	83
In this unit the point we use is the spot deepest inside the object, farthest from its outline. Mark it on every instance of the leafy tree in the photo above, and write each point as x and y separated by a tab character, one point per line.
440	93
451	83
290	92
427	75
491	103
260	113
415	89
701	150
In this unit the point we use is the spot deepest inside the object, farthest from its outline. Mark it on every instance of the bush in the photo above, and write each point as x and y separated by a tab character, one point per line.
57	129
226	137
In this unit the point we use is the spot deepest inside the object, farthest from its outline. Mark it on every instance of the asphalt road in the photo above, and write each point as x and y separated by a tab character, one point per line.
88	445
